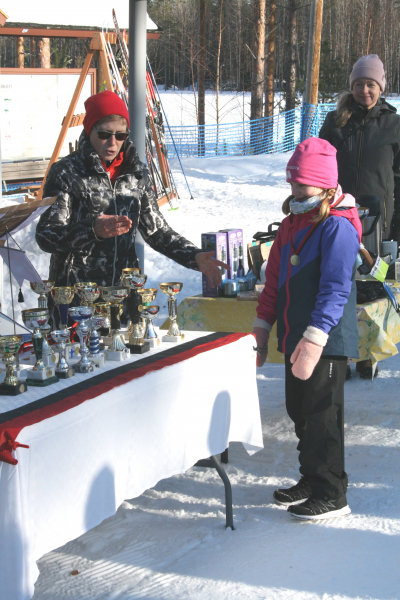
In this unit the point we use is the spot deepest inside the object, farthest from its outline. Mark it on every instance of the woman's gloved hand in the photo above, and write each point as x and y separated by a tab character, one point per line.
262	337
304	358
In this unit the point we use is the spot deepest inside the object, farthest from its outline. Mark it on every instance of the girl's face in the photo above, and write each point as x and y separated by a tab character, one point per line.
302	191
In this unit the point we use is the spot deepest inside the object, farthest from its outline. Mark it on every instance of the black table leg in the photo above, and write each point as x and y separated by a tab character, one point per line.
213	463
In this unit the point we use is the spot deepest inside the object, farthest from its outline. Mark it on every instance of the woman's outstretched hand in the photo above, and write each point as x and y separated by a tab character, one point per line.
210	266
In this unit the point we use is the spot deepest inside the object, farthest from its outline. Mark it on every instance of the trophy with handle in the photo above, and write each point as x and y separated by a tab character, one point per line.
61	337
42	288
9	346
81	314
170	289
135	280
37	319
115	295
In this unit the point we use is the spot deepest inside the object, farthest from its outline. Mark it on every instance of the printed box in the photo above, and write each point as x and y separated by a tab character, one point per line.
235	254
216	242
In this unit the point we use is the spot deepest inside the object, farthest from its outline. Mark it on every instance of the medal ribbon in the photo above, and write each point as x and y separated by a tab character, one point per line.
297	252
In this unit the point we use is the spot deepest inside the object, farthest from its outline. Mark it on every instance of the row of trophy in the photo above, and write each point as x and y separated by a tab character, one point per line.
90	317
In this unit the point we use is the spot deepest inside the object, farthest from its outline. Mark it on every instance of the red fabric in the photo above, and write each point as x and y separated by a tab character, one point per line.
103	105
313	163
10	430
115	168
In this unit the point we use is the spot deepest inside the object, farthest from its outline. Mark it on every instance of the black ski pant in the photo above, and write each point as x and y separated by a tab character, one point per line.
313	406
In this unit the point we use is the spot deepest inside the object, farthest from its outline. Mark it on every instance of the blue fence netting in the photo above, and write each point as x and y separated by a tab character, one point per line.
280	133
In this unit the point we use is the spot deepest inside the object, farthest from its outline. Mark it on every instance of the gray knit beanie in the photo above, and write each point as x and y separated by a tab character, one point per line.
371	67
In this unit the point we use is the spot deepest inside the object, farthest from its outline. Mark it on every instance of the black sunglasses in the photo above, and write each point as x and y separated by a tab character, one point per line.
105	135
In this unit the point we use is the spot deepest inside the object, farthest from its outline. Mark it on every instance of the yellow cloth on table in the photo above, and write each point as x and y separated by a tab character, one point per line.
378	324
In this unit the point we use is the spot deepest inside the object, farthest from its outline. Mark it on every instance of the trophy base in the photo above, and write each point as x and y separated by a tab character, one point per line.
136	349
120	355
86	368
98	359
49	360
42	382
65	374
72	351
175	339
13	390
154	343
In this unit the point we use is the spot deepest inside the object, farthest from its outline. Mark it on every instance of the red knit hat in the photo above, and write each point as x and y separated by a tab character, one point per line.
102	105
313	163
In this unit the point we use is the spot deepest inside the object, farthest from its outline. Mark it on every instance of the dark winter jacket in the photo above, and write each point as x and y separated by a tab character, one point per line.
84	191
368	156
321	290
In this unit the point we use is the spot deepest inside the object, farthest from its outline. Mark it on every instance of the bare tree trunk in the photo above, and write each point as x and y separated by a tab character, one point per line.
291	57
201	76
218	62
269	87
192	72
257	84
20	53
43	53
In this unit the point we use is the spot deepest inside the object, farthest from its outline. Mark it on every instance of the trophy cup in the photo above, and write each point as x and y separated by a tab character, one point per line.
170	289
63	296
88	292
135	280
95	323
42	288
150	335
61	337
115	295
37	319
81	314
9	346
102	309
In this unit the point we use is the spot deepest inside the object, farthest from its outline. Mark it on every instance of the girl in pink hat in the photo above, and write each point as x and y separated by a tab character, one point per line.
310	292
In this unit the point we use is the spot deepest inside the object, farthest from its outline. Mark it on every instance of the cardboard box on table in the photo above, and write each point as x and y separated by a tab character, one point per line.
214	241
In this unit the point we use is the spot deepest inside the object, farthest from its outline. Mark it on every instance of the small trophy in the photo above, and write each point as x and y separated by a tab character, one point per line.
9	346
63	296
42	288
88	292
61	337
150	335
95	323
81	314
115	295
102	309
135	280
37	319
170	289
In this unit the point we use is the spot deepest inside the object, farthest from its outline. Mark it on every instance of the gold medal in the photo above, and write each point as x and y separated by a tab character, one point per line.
295	260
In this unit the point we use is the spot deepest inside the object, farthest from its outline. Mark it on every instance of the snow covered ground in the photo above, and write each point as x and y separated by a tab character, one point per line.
170	543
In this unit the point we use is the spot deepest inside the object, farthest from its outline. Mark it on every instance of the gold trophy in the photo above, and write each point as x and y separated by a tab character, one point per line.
115	295
9	346
42	288
170	289
37	319
134	279
87	291
63	296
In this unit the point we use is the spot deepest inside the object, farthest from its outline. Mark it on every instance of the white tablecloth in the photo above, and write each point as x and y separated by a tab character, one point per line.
82	463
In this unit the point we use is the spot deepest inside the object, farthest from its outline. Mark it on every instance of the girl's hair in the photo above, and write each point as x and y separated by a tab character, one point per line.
324	210
343	109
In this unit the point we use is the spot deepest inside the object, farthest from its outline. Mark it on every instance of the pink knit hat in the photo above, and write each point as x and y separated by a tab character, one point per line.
313	163
371	67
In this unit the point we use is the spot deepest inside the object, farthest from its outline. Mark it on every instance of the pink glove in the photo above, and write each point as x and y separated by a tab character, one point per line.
262	337
304	358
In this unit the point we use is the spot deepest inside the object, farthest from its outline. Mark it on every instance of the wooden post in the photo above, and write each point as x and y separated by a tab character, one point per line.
20	53
257	83
33	52
43	53
97	43
201	77
314	52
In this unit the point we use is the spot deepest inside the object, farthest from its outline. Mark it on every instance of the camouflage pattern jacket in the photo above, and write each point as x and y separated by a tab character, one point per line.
84	191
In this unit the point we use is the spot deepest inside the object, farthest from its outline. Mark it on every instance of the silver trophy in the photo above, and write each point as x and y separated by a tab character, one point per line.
37	319
9	346
95	323
170	289
148	314
81	314
61	337
87	291
42	288
115	295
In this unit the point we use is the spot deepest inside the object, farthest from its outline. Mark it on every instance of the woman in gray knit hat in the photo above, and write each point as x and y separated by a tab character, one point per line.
365	130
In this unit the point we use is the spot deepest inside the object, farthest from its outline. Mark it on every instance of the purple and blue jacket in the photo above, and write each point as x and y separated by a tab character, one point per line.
321	290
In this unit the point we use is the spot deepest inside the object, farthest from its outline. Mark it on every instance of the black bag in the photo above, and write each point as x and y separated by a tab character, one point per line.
368	291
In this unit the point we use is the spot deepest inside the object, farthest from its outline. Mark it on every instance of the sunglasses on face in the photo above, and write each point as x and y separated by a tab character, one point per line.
120	136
